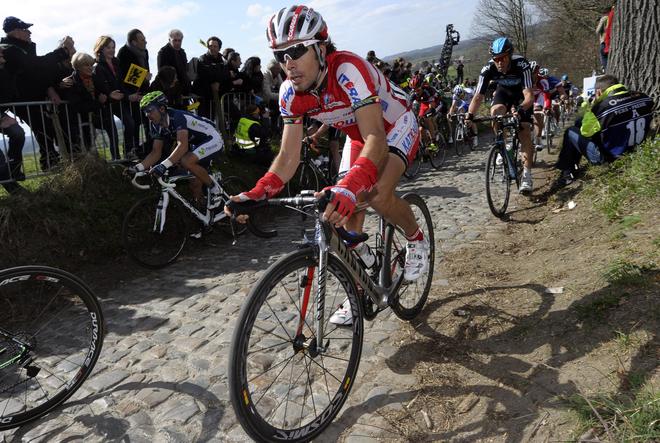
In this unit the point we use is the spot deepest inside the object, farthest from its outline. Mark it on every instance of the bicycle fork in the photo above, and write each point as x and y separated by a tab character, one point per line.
161	210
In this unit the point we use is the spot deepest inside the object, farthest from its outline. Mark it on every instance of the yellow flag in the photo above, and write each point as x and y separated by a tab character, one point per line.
135	75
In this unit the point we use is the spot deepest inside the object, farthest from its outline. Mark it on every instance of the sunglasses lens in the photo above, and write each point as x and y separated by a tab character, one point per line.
294	53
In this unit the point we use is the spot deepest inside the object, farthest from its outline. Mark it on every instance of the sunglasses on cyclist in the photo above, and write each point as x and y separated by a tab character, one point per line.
149	108
500	58
293	52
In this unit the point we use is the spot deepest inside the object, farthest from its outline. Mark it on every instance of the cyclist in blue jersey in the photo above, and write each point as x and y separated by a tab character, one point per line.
460	101
197	141
513	77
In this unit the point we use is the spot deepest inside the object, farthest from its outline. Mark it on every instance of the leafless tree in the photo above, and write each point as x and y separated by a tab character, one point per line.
635	46
509	18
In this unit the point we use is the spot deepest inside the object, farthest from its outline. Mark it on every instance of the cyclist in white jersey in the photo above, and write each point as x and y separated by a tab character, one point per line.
197	141
460	101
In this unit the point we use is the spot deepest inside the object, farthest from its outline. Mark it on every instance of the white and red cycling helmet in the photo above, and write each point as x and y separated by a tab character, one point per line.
296	23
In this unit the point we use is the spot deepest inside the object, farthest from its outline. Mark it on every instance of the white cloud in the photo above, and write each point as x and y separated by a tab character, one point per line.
257	10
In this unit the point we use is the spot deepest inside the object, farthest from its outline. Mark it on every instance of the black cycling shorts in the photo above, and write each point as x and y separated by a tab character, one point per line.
509	98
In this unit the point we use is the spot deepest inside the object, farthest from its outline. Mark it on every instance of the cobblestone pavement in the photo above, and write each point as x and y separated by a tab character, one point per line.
162	373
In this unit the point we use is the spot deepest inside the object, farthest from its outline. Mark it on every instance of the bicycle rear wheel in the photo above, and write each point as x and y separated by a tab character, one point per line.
438	154
145	241
51	333
498	184
282	387
411	296
547	138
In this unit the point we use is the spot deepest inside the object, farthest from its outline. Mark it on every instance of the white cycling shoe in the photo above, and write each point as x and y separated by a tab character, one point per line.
343	315
526	183
417	259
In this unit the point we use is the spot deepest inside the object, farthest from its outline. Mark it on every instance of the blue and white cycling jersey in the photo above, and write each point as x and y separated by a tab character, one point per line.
203	137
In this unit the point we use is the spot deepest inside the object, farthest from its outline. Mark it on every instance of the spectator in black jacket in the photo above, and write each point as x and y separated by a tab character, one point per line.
36	78
11	159
135	52
253	78
172	54
212	77
111	85
167	83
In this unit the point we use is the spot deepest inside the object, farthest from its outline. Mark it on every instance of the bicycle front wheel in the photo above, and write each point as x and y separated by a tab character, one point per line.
51	332
282	385
150	241
437	155
458	144
498	184
411	296
304	179
547	138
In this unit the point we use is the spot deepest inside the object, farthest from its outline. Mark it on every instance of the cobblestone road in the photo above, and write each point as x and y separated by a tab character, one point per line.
162	373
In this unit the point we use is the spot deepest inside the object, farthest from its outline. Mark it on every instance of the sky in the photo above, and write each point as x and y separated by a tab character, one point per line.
386	27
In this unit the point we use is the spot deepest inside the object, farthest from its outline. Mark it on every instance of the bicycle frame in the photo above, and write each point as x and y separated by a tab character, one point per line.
327	241
167	190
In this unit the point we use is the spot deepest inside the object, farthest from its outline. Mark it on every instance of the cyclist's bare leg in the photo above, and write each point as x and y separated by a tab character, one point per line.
394	209
430	124
538	122
497	110
190	162
525	137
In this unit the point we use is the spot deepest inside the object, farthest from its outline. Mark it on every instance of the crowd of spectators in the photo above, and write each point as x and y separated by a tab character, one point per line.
108	84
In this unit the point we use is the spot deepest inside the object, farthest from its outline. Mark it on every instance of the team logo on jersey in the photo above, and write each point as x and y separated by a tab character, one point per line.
350	87
286	97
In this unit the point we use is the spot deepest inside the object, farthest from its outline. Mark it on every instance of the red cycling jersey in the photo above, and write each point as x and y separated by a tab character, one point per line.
542	86
351	83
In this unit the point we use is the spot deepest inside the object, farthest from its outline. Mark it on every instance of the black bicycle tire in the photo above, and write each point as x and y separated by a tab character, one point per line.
548	133
457	145
441	144
401	311
253	424
491	162
179	219
94	307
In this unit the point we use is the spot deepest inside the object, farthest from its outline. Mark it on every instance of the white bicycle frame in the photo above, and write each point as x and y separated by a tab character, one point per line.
167	190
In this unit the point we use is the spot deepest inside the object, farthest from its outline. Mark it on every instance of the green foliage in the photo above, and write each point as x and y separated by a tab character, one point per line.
622	272
596	310
76	213
629	418
630	183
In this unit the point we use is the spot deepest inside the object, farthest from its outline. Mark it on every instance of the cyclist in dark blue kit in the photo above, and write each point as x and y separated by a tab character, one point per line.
513	77
197	141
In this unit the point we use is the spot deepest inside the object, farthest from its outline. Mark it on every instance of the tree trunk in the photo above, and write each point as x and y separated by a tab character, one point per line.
634	56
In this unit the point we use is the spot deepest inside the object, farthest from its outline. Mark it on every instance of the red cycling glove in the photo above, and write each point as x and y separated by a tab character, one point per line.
361	177
266	187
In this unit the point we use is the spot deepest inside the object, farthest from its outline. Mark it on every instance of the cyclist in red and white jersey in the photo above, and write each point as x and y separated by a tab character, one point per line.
542	102
345	91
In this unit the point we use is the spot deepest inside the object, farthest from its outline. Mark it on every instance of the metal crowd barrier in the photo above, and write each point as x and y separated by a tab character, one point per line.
55	133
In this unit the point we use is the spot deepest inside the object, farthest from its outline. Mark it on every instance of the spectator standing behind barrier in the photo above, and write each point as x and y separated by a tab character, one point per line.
233	67
617	122
172	54
270	93
253	79
117	100
81	95
167	82
11	157
212	77
135	52
36	78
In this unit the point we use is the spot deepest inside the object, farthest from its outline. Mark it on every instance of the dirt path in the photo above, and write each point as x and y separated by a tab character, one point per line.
528	323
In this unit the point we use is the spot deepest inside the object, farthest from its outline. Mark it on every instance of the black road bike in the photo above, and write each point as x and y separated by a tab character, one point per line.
51	332
504	164
290	370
